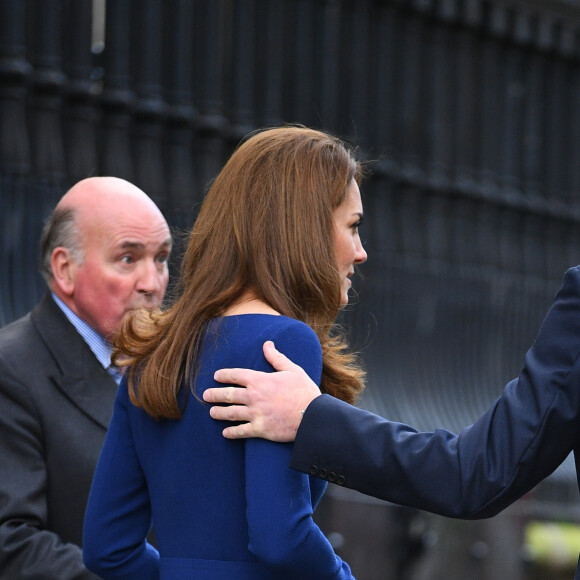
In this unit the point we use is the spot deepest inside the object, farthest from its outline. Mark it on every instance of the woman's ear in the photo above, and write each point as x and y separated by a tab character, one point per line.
63	268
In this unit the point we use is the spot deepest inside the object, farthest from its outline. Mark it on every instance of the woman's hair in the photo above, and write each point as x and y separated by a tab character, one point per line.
266	225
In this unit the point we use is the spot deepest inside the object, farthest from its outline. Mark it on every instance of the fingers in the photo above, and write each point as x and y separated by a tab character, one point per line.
240	377
232	413
227	395
242	431
277	359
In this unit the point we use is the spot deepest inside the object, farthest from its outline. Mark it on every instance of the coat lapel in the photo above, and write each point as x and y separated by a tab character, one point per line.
94	395
81	378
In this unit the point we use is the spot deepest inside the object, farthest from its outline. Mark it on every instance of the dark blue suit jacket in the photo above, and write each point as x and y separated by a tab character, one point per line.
522	438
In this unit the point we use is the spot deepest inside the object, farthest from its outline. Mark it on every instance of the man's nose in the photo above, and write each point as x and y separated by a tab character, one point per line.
150	277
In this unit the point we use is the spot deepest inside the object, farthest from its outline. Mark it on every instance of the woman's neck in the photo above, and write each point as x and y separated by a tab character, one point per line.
249	304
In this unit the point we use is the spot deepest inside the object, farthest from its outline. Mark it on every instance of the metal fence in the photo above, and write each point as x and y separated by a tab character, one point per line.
467	110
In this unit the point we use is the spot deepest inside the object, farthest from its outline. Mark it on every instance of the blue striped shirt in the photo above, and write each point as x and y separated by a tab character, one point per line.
98	345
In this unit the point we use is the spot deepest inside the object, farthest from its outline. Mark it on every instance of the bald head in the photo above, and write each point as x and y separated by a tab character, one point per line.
97	197
105	248
89	202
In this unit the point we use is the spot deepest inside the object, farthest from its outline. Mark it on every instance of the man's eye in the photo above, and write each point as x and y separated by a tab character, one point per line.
162	258
127	259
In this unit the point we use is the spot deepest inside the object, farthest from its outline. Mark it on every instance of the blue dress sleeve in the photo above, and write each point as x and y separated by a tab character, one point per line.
282	532
118	514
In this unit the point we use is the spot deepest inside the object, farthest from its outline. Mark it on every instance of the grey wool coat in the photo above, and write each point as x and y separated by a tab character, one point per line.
56	401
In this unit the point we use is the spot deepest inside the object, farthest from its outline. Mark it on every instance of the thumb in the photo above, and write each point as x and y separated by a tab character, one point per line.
277	359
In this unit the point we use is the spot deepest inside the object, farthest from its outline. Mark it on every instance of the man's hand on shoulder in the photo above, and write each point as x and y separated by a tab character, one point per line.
268	405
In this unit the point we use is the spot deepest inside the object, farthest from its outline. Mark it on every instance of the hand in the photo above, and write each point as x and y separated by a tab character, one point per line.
271	404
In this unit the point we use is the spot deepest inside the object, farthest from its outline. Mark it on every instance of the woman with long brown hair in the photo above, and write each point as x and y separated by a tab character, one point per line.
270	257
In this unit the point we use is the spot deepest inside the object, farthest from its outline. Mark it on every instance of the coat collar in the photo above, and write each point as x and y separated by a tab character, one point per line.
80	376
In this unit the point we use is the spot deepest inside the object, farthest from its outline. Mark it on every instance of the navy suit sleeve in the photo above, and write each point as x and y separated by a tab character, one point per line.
118	515
282	532
527	432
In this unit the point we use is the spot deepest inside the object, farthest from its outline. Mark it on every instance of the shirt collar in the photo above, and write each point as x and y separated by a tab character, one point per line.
98	345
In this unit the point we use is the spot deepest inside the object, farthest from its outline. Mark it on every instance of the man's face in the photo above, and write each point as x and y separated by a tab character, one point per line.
124	265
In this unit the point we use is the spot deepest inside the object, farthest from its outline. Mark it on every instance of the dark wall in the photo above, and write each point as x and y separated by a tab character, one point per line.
467	110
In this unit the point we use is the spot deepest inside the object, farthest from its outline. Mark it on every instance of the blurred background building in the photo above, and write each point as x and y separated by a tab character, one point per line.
467	110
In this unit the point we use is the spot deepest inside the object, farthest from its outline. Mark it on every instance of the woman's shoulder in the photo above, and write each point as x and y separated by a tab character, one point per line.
284	325
261	327
295	339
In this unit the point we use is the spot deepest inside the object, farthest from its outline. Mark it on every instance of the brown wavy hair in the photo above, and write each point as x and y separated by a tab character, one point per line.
266	225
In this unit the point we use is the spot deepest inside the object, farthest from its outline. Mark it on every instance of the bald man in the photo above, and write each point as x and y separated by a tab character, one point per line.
104	252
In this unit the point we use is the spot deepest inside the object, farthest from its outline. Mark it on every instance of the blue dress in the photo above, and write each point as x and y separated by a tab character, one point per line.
221	509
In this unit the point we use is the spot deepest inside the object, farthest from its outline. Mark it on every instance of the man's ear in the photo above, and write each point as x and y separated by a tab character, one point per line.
63	268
